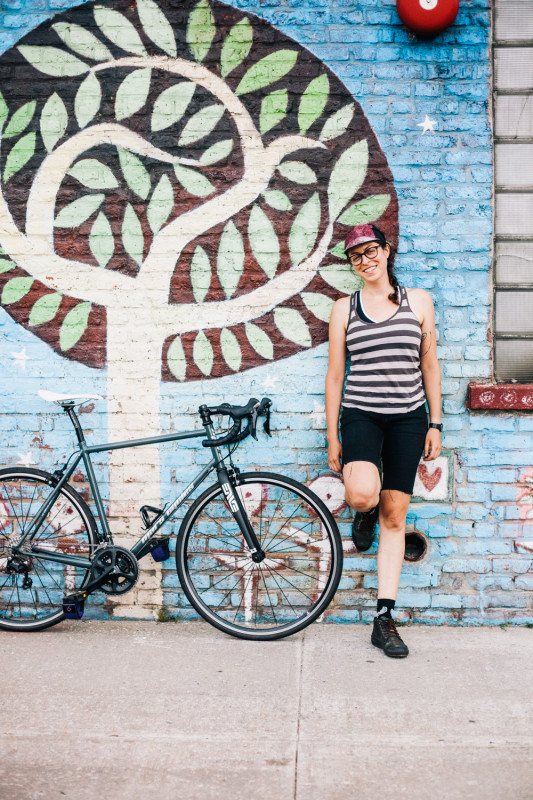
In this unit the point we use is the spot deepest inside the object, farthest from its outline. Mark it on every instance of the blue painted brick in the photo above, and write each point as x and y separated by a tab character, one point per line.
491	475
412	600
467	565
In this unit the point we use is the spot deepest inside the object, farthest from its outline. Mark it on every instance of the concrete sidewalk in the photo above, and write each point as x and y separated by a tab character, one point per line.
121	710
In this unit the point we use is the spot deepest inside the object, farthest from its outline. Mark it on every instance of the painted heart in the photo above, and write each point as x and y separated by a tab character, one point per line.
429	479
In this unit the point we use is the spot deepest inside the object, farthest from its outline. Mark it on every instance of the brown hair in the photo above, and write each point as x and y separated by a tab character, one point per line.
393	280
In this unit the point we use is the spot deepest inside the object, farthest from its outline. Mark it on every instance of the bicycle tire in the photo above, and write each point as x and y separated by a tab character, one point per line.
68	527
210	545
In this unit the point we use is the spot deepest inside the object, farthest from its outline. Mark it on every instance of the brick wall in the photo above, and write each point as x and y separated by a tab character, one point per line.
477	516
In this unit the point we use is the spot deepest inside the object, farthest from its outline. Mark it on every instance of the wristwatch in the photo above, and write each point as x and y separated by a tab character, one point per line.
437	425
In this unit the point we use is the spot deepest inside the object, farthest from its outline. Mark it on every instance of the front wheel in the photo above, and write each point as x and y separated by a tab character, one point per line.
31	586
284	592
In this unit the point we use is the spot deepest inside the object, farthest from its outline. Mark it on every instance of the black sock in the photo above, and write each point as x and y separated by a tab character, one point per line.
385	607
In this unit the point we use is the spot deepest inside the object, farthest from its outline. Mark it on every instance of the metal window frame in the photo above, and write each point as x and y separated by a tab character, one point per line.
498	44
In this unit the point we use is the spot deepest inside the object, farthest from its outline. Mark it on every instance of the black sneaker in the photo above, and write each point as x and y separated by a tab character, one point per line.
385	636
364	528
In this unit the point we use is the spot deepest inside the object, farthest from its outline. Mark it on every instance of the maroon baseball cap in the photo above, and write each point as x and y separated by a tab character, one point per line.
364	233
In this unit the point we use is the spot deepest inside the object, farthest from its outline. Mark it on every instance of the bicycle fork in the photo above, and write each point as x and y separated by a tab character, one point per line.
239	513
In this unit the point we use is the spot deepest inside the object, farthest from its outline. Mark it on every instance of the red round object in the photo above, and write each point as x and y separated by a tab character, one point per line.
427	18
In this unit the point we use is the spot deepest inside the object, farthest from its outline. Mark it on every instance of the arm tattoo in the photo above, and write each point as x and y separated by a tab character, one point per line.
425	344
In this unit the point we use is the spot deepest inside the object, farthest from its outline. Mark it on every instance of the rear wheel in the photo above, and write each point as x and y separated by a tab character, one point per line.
283	593
31	587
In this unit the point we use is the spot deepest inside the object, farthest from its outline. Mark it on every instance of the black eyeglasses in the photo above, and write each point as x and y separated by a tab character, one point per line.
357	258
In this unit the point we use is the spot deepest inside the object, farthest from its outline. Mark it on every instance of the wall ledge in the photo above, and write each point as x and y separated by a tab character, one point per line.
500	396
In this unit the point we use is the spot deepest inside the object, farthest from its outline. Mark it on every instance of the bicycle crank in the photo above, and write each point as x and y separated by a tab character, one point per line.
114	570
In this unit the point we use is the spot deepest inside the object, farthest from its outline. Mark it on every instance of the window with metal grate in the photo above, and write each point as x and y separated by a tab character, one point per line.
513	176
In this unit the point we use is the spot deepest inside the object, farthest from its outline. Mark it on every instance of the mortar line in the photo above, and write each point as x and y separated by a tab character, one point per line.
299	716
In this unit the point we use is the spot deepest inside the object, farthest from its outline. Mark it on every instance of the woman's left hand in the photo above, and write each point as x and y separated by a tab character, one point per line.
433	444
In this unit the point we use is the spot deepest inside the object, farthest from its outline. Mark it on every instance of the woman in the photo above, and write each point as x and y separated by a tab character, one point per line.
389	332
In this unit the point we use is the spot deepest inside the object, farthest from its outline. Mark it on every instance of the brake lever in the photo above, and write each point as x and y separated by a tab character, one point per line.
253	421
266	424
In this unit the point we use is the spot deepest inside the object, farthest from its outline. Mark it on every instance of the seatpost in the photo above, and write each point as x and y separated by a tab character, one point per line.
69	410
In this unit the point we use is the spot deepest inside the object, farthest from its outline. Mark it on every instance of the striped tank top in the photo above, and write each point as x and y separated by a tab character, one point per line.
385	375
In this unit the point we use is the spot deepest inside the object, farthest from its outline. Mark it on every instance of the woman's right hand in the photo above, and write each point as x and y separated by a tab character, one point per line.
334	455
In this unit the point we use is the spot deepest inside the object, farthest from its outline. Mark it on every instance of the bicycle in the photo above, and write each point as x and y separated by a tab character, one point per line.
258	555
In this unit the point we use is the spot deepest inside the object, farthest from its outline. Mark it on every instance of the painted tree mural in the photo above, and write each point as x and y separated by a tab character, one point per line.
177	180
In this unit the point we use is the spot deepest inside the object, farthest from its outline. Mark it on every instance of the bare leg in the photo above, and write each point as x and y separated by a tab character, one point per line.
392	514
362	485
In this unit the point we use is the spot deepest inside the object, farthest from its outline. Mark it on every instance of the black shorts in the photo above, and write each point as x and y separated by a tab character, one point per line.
395	440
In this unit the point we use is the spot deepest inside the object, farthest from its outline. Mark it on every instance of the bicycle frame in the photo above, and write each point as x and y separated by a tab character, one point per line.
84	454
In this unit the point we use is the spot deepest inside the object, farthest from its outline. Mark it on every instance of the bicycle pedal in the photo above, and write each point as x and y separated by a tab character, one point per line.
73	608
160	550
145	512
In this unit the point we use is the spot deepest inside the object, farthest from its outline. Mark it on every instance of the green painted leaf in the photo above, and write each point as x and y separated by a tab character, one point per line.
293	326
77	212
278	200
202	353
132	93
132	235
367	210
200	30
273	109
297	172
135	173
74	325
88	100
54	121
201	124
263	241
161	204
93	174
347	177
6	266
4	111
338	250
156	26
341	277
45	308
200	274
176	359
193	181
101	240
260	341
231	349
217	152
119	30
304	231
15	289
19	155
20	120
268	70
313	102
171	105
53	61
82	41
319	305
337	124
236	46
230	259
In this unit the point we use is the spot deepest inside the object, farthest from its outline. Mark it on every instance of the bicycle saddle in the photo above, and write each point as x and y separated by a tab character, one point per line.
67	399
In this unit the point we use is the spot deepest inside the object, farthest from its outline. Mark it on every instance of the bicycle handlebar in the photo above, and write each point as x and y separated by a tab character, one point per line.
250	412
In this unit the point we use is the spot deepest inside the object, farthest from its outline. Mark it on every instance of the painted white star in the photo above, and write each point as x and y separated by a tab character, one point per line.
318	414
26	460
270	382
21	358
427	125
